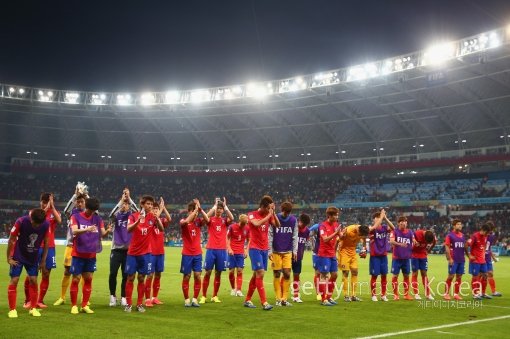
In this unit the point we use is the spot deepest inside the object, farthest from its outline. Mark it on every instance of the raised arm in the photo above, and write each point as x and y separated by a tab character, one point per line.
230	216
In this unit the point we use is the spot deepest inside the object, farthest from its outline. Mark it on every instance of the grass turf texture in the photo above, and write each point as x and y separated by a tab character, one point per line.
231	319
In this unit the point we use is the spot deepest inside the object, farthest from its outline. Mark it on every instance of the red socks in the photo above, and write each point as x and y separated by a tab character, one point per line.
45	282
11	295
406	285
185	288
239	281
383	284
484	284
232	279
33	294
205	285
27	289
148	287
129	292
456	286
295	285
449	286
373	282
492	284
140	288
196	288
217	282
475	285
260	288
394	284
156	286
251	288
87	290
73	290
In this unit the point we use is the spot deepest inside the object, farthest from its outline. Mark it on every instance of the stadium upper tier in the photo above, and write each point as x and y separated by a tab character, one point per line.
452	97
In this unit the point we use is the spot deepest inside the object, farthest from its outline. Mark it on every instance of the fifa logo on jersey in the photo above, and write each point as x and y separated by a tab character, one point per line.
404	240
263	228
381	236
302	240
32	238
459	245
284	229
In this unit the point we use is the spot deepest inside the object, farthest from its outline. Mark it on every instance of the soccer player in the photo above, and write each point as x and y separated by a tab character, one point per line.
88	229
53	217
477	265
327	264
402	241
489	256
158	257
121	239
379	234
237	236
259	222
423	243
454	244
348	260
283	246
303	236
25	239
216	254
317	275
141	225
75	205
191	261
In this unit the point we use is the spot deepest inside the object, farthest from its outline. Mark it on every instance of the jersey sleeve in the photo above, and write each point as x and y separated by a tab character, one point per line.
131	219
73	221
15	229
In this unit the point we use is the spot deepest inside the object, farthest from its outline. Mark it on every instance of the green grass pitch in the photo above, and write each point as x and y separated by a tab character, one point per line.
231	319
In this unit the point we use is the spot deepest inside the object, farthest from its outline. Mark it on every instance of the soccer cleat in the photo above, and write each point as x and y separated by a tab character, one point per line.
194	303
12	314
417	297
297	300
477	297
239	293
457	297
156	301
127	308
34	312
140	308
497	294
148	303
267	307
355	298
347	299
202	300
233	293
332	301
374	298
123	302
285	303
215	299
26	305
187	303
113	301
396	297
87	310
384	298
59	302
319	298
430	297
74	310
326	303
408	297
249	304
41	305
486	296
447	296
278	303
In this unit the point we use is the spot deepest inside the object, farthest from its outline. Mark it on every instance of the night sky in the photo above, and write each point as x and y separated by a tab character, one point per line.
157	45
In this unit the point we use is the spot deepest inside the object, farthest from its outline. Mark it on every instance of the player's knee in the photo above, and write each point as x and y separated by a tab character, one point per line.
217	273
196	275
276	274
207	273
186	277
354	272
14	281
131	277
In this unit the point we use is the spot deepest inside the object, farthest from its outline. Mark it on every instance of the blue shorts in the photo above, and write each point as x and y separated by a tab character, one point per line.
32	270
297	266
51	259
138	263
401	264
258	259
476	269
81	265
490	268
456	268
378	265
191	263
158	263
326	264
314	261
421	264
216	259
236	261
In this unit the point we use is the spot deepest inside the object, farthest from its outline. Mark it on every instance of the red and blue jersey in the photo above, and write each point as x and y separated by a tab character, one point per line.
238	236
327	249
141	238
477	243
217	231
191	237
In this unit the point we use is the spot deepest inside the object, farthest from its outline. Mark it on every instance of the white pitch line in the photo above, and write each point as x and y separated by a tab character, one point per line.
435	327
493	306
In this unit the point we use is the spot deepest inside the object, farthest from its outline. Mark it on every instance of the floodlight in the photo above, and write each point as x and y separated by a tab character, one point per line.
45	96
21	91
123	99
200	96
71	97
98	99
12	89
494	40
257	90
147	99
172	97
437	54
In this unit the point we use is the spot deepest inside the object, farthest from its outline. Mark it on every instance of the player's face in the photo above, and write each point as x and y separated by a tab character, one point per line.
402	225
147	206
124	207
333	217
43	204
219	211
457	226
264	210
80	204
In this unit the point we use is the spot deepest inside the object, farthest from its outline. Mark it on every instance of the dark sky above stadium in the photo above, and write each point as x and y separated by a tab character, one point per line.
156	45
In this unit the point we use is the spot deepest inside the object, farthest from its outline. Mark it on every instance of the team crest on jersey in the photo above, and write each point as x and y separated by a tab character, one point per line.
250	216
150	222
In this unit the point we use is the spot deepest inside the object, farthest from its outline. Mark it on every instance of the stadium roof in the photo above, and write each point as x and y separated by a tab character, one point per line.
453	96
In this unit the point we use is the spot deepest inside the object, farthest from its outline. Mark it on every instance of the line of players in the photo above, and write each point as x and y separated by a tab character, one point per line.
138	239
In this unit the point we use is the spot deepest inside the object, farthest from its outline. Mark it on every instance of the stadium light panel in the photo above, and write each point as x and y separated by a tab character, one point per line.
71	97
437	54
200	96
258	90
98	99
494	40
147	99
12	90
123	99
45	96
21	91
172	97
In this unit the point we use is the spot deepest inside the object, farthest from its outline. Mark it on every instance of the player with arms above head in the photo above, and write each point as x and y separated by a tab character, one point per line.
475	248
316	240
303	236
423	243
489	257
455	244
153	280
402	241
191	228
379	234
327	264
238	235
216	254
141	225
25	239
88	229
259	222
348	260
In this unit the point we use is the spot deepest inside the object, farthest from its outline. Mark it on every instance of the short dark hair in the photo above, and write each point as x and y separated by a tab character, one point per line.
491	224
363	230
191	206
37	215
146	198
376	215
402	218
265	201
455	221
305	219
332	210
486	227
429	236
45	197
220	204
81	196
92	204
286	206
